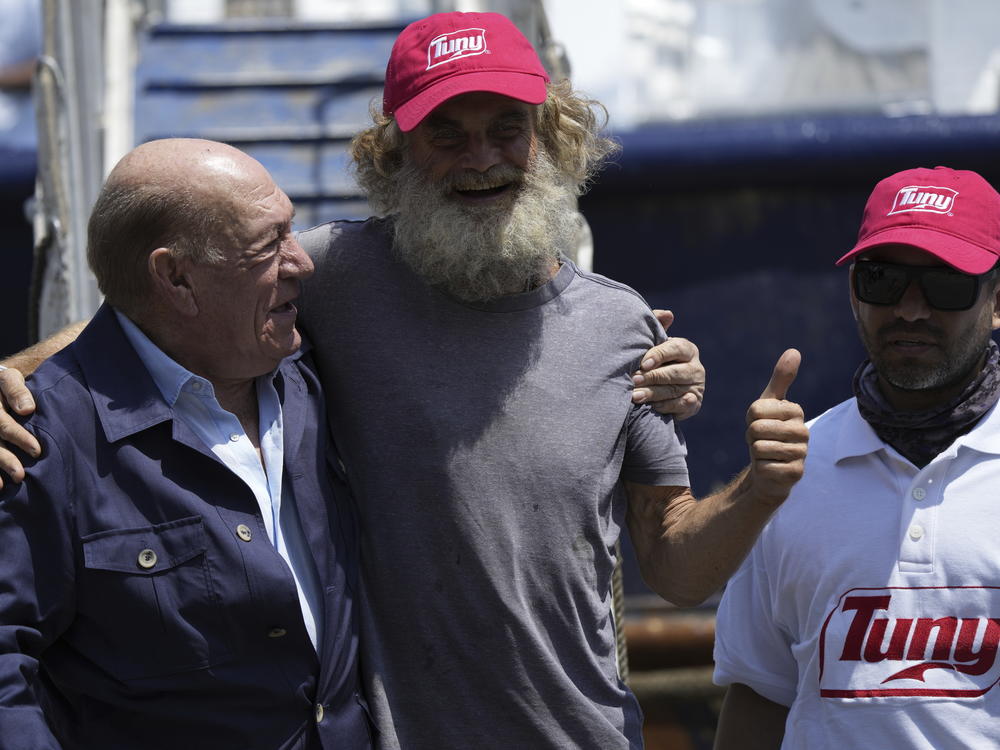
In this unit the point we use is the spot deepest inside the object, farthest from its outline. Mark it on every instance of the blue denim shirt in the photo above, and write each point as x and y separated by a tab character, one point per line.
142	603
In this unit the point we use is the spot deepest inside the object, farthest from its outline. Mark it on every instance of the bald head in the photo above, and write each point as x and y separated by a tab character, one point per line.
210	168
178	193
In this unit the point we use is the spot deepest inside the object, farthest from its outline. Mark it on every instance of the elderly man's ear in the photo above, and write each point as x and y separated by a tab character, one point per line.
172	282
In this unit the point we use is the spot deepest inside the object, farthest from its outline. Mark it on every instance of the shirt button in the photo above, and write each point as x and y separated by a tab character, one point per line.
244	533
916	532
277	633
234	438
919	493
319	713
196	386
147	559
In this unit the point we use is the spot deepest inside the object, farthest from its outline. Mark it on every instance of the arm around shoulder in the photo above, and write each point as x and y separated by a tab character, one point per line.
28	360
749	721
15	397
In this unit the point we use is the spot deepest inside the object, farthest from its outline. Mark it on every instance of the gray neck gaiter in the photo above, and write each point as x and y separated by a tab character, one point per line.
922	435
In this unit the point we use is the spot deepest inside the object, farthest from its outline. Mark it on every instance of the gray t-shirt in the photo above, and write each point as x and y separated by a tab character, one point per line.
485	445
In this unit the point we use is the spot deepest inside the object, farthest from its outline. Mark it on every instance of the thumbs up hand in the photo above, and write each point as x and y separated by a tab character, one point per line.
777	435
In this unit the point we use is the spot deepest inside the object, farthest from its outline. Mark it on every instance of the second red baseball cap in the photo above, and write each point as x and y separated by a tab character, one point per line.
447	54
949	213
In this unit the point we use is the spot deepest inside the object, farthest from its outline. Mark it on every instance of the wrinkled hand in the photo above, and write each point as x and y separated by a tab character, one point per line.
777	435
14	395
671	378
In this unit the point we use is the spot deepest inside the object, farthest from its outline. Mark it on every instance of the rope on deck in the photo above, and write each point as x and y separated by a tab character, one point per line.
618	610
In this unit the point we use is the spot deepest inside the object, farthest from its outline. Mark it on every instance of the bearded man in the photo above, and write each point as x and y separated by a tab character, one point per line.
481	394
495	469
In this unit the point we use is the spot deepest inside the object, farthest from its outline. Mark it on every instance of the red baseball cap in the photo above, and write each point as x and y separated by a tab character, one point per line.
949	213
447	54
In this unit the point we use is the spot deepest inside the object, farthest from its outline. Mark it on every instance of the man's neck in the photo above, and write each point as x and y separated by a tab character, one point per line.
236	395
553	270
542	279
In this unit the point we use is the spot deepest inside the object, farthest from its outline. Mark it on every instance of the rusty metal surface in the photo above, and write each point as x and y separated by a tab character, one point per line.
670	654
670	639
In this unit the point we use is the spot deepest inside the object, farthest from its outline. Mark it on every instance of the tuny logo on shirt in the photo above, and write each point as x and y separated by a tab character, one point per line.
911	642
455	45
938	200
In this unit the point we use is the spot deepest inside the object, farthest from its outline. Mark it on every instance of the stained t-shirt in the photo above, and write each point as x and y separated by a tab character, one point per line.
486	445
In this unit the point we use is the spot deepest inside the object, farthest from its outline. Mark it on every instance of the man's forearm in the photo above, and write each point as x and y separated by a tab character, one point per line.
28	360
687	548
717	532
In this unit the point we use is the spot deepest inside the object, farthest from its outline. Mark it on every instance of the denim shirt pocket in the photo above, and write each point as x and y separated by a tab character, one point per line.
146	604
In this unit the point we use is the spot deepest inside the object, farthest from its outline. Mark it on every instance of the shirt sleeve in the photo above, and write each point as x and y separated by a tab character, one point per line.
36	594
655	453
751	647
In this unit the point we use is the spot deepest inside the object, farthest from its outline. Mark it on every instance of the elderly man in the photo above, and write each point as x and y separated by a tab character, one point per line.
480	388
495	471
867	613
179	564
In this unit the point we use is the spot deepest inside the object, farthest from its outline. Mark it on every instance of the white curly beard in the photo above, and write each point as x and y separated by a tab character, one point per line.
478	253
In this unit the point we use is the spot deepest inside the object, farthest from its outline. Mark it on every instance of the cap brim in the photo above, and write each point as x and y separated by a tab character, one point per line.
525	87
956	252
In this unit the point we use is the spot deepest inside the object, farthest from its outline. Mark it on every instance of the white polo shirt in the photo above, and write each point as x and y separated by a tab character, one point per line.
871	602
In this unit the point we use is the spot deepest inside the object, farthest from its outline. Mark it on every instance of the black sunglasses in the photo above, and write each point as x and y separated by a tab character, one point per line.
878	283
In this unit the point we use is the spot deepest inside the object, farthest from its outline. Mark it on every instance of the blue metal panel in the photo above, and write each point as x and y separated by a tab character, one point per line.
177	55
307	168
821	148
248	113
291	95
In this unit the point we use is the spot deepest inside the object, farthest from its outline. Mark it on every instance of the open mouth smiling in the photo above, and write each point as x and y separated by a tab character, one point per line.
484	193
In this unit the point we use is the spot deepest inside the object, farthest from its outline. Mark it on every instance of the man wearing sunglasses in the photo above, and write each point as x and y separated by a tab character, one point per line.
868	612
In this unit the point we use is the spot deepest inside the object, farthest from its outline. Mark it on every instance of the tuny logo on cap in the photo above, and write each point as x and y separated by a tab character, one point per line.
455	45
937	200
